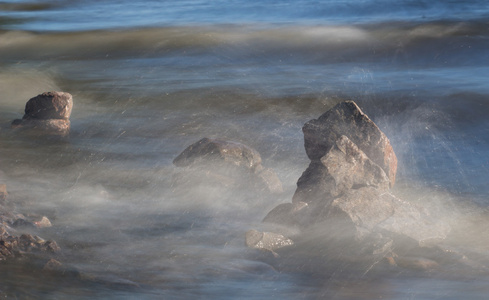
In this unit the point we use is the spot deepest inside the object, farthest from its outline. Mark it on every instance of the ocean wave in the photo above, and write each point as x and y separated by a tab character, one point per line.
245	39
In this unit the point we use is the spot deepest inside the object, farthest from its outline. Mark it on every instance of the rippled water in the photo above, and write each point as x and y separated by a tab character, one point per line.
151	77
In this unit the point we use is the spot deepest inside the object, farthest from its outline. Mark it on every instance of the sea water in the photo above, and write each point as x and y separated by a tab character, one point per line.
149	78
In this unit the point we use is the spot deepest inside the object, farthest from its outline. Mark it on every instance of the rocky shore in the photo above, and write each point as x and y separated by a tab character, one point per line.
343	212
343	208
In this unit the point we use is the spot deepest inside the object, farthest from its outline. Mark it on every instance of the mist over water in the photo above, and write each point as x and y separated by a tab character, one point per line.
149	78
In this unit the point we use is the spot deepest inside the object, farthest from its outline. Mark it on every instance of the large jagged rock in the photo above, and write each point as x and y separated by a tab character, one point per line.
227	163
347	119
343	204
47	113
342	168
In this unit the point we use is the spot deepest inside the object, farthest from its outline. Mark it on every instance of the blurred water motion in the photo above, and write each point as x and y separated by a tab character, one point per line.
149	78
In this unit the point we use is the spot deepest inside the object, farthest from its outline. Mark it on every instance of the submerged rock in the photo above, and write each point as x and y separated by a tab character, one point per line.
370	210
53	266
414	263
34	221
219	150
226	163
47	113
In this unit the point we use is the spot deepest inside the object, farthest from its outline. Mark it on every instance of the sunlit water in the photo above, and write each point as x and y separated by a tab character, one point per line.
151	77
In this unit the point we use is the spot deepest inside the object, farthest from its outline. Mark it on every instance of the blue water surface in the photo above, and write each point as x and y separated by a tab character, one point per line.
78	15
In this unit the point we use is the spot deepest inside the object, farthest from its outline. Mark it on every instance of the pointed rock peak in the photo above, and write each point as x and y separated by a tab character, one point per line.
347	119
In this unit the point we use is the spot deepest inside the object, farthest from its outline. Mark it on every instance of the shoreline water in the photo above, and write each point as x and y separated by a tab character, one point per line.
253	73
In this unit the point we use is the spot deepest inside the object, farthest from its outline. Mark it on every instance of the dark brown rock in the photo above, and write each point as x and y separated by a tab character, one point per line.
12	246
49	105
31	243
347	119
47	113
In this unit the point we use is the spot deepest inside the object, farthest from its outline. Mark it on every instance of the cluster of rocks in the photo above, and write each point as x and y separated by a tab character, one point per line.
48	113
343	202
17	245
225	163
344	198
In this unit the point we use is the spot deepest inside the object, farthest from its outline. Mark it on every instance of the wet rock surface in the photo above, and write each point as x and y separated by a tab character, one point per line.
347	119
47	113
341	169
13	243
225	163
268	241
220	151
343	204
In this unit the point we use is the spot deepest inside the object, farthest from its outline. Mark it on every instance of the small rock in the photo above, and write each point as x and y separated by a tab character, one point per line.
22	222
43	223
53	265
266	240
